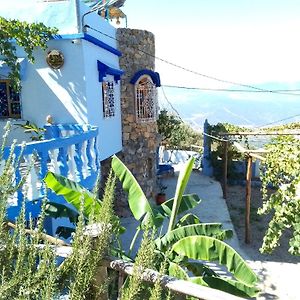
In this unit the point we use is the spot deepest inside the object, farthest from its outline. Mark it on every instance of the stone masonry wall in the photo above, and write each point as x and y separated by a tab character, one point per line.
140	140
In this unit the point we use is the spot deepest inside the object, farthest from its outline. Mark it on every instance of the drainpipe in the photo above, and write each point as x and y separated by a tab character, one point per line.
78	21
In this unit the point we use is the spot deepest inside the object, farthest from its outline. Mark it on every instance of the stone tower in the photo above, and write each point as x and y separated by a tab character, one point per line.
139	105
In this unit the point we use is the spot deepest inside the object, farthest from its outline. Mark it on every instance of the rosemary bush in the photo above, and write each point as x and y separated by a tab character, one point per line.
29	268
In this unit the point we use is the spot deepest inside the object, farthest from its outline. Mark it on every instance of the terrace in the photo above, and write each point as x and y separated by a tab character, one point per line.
67	149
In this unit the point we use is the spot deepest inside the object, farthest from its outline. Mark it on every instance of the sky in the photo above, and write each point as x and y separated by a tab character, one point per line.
247	41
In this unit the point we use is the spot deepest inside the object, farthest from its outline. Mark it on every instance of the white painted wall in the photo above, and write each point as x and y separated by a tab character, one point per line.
110	130
60	93
71	94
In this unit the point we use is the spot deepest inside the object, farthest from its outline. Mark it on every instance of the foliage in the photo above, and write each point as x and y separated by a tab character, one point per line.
175	133
27	36
284	127
218	148
188	226
189	233
167	123
37	133
281	170
145	259
28	263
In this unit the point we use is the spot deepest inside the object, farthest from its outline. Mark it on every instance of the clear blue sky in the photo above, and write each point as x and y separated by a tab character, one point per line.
249	41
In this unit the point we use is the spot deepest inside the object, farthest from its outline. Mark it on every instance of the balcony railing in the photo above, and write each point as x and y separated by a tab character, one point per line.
69	150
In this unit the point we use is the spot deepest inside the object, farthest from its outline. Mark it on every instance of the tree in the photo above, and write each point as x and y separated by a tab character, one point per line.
26	35
175	133
281	171
167	123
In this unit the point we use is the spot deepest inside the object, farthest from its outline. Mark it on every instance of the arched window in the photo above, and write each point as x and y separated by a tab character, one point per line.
145	99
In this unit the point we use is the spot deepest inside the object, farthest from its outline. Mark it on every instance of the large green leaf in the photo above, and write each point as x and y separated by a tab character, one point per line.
188	219
182	181
206	229
65	231
56	210
176	271
137	200
188	201
73	193
226	285
209	248
199	269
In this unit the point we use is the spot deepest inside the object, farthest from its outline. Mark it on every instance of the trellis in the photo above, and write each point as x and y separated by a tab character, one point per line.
249	155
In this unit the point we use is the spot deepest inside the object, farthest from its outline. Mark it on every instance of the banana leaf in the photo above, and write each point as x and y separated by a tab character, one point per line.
206	229
183	179
188	219
211	249
73	193
226	285
138	203
176	271
188	201
64	231
56	210
199	269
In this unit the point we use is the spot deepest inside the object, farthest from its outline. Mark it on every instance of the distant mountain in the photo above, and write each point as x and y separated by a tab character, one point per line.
247	109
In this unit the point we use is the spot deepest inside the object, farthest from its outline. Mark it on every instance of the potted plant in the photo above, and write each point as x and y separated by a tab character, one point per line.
161	196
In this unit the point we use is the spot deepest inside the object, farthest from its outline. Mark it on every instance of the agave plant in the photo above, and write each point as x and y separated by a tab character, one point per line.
187	244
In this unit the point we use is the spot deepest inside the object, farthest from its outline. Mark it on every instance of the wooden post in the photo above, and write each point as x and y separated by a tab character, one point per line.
248	200
225	169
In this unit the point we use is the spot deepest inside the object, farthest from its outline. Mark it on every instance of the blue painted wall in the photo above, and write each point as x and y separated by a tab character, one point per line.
71	94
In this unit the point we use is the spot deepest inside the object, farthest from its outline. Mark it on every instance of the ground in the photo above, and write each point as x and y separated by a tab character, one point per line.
259	224
278	271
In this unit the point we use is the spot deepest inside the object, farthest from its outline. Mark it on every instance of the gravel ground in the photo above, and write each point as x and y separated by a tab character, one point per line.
279	271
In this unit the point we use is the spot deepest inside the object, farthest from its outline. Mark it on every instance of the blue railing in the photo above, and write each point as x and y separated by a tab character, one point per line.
68	149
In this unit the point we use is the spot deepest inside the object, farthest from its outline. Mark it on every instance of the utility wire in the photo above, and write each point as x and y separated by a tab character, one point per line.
174	109
195	72
230	90
281	120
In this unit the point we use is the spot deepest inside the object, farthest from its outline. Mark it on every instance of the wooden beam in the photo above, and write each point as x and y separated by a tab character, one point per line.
225	169
175	285
257	133
52	240
248	200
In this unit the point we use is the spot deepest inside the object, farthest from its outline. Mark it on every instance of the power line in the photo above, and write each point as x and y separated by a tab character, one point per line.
281	120
230	90
174	109
195	72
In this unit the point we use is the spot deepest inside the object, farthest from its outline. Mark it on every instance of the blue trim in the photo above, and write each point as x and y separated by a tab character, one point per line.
89	38
154	76
68	36
101	44
104	69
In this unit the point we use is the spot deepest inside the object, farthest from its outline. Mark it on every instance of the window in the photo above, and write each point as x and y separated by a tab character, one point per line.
108	96
146	98
9	101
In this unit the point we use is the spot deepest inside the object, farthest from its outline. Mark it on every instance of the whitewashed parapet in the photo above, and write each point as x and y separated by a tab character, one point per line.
69	150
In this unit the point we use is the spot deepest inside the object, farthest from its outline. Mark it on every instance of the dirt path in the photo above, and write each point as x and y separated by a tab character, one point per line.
279	271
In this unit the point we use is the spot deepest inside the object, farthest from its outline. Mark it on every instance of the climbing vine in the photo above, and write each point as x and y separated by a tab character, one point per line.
281	171
28	36
218	148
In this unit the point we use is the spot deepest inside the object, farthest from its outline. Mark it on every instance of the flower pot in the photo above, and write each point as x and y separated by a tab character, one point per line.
160	198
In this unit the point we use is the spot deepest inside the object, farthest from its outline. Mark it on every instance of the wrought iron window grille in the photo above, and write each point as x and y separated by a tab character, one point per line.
108	96
10	106
146	100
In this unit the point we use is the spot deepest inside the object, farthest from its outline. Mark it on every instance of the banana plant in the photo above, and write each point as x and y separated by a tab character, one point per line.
187	237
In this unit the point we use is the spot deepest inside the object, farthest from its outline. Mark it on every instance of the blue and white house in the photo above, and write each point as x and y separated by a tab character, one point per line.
74	84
